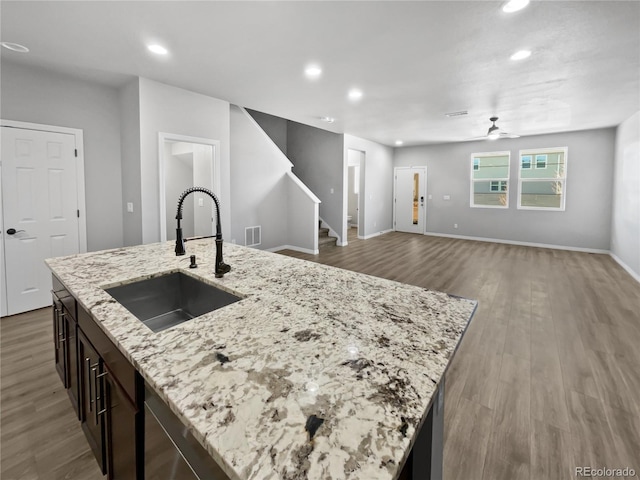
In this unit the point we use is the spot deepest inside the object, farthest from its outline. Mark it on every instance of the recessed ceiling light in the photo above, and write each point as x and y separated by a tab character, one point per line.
514	5
313	71
158	49
355	94
16	47
399	142
521	55
328	119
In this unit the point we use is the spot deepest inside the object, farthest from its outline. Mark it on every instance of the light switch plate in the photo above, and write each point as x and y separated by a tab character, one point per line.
130	207
201	202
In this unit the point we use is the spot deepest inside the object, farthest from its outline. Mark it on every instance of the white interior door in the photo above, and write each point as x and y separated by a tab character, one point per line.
410	191
40	211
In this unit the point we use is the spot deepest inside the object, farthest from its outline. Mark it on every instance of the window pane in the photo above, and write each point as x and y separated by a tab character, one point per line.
541	161
544	194
492	167
526	161
555	166
482	195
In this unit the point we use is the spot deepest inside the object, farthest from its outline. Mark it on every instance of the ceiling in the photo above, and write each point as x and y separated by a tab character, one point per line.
414	61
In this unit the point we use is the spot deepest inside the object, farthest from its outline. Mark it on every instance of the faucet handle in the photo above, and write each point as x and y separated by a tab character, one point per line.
193	264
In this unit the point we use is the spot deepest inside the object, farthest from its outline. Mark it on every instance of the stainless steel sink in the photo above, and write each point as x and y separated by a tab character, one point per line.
165	301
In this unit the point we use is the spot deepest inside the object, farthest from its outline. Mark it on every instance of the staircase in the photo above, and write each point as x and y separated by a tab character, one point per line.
324	240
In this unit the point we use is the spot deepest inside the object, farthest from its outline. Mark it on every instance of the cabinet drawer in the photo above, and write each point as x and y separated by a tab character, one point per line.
116	362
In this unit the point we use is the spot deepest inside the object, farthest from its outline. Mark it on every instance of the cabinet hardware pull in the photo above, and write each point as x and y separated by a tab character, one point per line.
95	382
88	361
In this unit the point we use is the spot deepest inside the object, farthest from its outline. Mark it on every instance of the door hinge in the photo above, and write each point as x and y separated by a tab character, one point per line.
76	152
78	212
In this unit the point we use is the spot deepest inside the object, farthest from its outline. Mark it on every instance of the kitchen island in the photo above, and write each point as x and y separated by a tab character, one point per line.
316	373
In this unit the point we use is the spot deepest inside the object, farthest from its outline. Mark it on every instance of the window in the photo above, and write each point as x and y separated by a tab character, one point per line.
490	180
544	187
525	162
541	161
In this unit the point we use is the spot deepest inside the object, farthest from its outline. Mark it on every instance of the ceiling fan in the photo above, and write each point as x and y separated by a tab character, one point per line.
495	133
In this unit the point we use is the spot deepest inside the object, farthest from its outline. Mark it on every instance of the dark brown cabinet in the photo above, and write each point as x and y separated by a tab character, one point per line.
65	329
103	386
91	419
120	429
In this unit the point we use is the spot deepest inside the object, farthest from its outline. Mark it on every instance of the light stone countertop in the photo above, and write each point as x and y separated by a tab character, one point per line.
362	353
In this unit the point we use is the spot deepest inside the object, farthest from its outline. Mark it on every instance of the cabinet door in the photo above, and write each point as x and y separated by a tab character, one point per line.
59	341
71	356
90	367
120	423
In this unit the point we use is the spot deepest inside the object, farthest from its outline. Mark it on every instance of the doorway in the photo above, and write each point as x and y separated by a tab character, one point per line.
410	190
355	191
43	209
187	162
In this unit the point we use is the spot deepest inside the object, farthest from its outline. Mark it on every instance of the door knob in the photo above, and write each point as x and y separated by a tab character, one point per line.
13	231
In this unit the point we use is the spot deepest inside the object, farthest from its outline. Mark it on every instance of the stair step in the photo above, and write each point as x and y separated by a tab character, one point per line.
323	232
325	241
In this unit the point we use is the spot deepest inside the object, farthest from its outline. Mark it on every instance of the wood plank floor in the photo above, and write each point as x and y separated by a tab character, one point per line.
40	436
546	379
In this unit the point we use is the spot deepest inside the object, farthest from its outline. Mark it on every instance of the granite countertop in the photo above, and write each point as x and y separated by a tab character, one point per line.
318	373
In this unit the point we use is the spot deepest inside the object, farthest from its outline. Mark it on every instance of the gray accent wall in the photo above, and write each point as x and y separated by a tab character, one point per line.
318	160
625	218
585	223
274	127
37	95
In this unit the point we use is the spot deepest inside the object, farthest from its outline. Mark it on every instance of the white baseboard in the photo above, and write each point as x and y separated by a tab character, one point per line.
524	244
629	270
371	235
293	247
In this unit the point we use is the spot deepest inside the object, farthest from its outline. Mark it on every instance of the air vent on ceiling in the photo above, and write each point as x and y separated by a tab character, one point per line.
252	236
456	114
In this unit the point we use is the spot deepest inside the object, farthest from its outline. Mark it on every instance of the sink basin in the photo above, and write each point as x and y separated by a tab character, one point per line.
165	301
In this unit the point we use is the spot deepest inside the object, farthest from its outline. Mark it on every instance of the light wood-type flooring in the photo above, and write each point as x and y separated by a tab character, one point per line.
546	379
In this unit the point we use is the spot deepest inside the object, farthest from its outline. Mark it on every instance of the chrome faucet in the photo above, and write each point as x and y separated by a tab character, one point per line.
221	267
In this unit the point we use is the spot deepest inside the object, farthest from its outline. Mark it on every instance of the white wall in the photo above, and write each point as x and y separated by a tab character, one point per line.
36	95
264	192
258	183
168	109
625	219
129	102
377	198
586	222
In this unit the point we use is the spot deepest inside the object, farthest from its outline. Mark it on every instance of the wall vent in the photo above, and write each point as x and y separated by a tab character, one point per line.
253	236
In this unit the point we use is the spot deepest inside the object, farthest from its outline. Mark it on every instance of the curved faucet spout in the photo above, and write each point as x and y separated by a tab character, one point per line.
221	268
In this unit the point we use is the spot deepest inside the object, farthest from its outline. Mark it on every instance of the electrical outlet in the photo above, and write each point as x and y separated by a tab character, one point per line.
455	225
201	202
332	191
446	197
130	207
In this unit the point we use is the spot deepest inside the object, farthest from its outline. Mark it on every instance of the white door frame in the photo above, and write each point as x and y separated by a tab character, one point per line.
80	190
424	210
162	137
